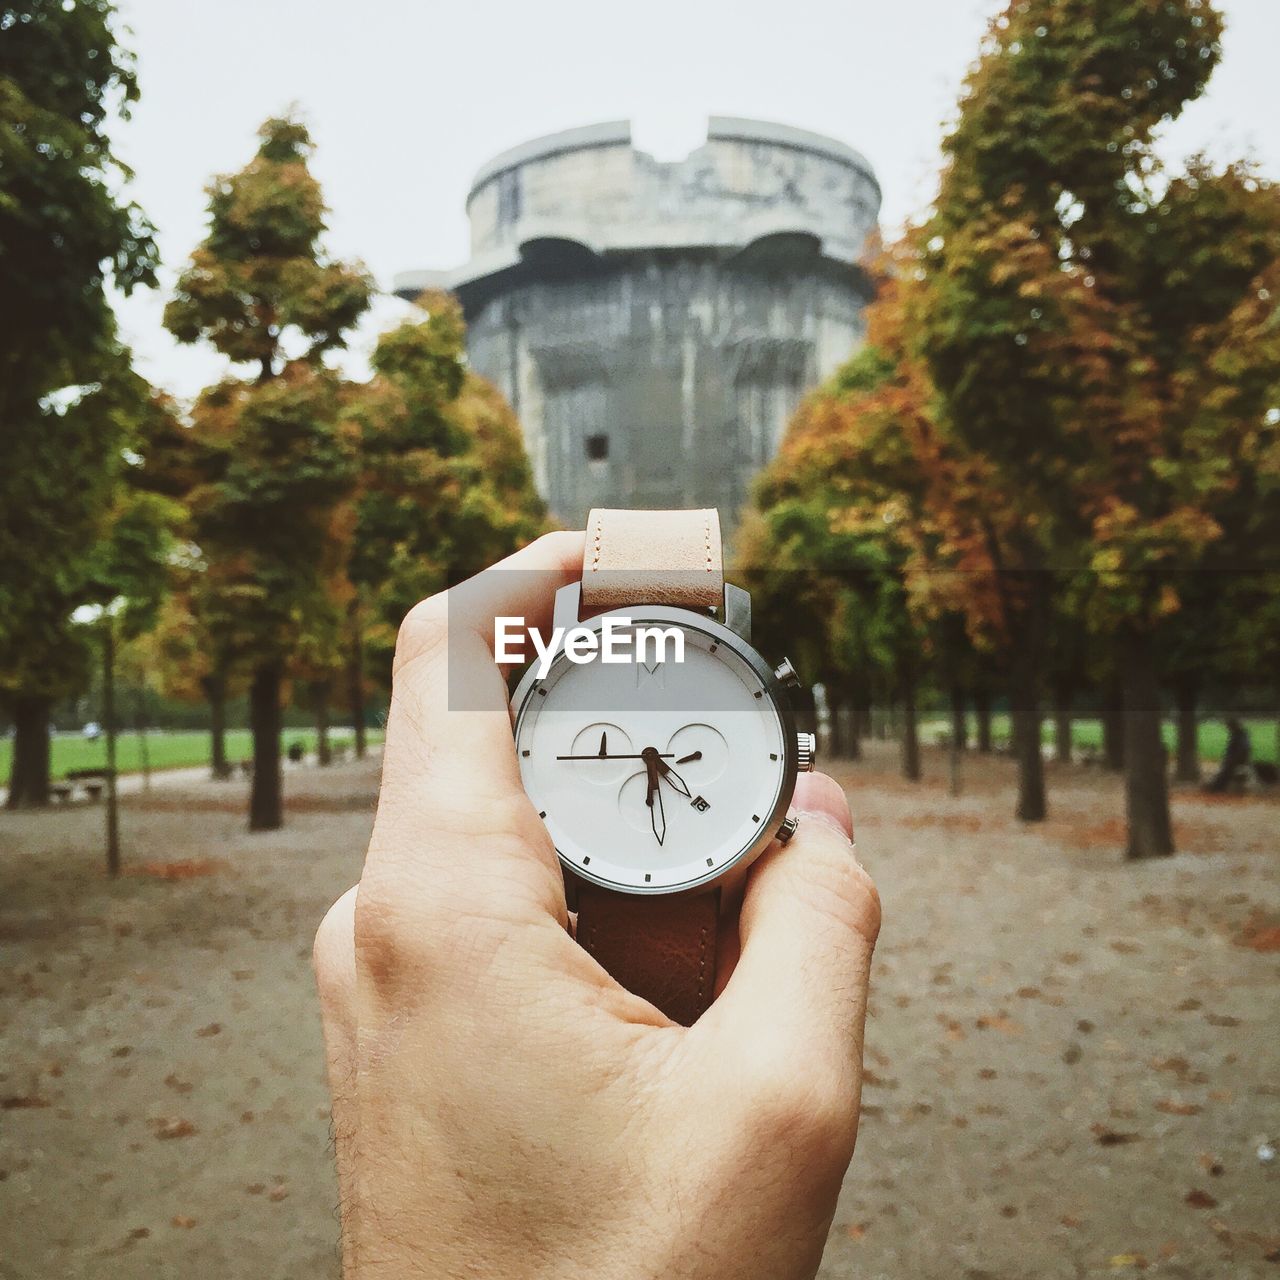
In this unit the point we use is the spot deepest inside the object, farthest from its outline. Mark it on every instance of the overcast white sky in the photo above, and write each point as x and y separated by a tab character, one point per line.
406	98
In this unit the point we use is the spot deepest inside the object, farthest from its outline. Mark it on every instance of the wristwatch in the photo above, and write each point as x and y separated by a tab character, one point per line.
660	750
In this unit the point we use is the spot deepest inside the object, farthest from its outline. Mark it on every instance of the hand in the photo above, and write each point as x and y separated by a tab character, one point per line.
501	1106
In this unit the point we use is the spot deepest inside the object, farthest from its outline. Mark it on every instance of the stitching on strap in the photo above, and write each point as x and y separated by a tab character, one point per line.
595	562
706	535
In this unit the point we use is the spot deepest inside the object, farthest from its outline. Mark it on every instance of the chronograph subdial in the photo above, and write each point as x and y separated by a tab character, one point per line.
700	753
596	754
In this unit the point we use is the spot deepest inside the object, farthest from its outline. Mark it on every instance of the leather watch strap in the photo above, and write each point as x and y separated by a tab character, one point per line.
652	557
662	948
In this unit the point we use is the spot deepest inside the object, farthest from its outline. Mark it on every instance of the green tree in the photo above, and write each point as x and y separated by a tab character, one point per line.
1037	331
445	484
65	234
276	462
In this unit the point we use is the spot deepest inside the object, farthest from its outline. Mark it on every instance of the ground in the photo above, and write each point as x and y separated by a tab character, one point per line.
1072	1063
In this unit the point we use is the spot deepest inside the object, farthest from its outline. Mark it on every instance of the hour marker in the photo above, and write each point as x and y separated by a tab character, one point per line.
585	861
647	877
711	862
755	817
525	752
715	644
759	693
542	814
773	755
543	693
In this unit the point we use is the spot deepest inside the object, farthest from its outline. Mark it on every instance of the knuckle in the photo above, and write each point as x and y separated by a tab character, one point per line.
331	951
423	630
836	885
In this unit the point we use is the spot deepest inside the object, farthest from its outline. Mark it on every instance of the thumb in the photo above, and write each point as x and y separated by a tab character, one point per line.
810	916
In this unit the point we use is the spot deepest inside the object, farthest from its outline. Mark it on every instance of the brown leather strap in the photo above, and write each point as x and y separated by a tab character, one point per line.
662	948
652	557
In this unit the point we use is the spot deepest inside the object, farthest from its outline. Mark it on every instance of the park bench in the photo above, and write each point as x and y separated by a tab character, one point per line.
93	781
60	791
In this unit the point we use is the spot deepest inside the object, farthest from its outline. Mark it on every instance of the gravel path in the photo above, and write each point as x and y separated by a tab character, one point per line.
1071	1062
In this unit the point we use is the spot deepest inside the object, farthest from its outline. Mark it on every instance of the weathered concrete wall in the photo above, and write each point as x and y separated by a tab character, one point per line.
654	325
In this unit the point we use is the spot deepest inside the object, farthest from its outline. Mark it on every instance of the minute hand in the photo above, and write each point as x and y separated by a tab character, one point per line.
637	756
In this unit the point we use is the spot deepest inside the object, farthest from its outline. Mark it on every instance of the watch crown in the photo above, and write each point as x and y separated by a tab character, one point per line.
788	829
806	749
785	674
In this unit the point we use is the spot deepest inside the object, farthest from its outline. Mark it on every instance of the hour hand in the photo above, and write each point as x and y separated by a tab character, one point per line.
653	798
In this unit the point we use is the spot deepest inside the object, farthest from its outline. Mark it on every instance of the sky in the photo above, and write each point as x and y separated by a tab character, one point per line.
407	98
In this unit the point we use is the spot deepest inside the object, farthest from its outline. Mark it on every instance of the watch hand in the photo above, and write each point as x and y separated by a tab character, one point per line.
674	778
639	755
657	814
693	755
604	745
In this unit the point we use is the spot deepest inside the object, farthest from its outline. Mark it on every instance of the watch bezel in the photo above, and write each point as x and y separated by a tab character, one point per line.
776	693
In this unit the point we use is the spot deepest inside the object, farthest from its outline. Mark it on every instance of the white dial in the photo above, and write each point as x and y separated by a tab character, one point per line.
654	777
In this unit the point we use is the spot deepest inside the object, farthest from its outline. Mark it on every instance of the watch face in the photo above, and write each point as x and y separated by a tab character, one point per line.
657	775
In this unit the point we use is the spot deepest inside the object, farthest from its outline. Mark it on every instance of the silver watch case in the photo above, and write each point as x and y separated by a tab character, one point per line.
733	633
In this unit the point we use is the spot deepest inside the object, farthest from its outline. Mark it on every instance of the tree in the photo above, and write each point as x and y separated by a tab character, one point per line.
277	462
445	486
65	234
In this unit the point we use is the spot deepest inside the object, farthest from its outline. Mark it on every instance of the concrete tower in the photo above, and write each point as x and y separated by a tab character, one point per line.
654	325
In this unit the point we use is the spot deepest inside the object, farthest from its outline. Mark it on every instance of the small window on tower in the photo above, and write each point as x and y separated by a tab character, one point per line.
598	448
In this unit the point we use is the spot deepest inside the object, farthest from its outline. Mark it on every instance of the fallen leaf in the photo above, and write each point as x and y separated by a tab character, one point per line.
1221	1020
855	1230
1119	1260
277	1194
211	1030
1172	1107
1107	1137
998	1022
181	1220
22	1101
1068	1220
1198	1199
255	1188
174	1127
178	1085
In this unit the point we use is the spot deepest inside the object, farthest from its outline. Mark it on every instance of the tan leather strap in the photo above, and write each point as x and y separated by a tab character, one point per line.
652	557
662	948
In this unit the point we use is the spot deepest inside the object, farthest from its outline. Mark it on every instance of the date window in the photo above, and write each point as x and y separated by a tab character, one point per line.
700	804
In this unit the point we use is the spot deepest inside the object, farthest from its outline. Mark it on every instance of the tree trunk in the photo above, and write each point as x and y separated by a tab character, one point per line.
910	730
29	768
1146	784
857	725
959	719
266	807
1062	724
144	745
320	703
215	692
1187	692
109	725
982	711
1113	725
355	679
836	725
1024	705
806	709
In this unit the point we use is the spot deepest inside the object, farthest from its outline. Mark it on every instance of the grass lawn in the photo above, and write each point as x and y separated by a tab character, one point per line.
167	750
1088	734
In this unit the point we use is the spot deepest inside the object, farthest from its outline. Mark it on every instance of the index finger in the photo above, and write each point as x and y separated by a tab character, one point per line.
449	766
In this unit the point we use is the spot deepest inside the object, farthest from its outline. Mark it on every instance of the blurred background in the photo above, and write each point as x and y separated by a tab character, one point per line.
964	315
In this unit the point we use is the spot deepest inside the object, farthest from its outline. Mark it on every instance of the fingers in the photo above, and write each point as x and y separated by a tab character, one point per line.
454	831
449	722
809	922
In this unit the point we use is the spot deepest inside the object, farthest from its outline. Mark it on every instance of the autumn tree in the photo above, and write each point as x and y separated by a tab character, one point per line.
445	487
276	460
66	234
